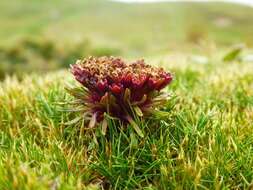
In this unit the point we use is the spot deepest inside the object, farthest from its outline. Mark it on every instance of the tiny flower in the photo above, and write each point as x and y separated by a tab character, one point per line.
118	88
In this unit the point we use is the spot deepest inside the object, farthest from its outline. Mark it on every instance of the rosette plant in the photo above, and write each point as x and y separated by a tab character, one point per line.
120	89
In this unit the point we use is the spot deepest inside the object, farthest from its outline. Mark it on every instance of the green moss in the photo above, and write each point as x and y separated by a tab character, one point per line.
206	142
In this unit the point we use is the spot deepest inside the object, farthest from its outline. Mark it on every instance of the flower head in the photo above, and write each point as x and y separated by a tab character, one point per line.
117	87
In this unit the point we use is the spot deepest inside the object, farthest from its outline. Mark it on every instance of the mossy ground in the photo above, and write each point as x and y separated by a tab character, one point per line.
205	143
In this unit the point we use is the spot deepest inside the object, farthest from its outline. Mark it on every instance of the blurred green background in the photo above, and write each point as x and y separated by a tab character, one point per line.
39	36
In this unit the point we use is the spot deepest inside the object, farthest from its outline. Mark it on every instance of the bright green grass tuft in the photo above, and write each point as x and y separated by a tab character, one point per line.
205	143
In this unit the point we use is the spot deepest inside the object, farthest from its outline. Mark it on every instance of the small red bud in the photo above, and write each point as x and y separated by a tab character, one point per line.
151	83
138	82
102	85
128	78
115	88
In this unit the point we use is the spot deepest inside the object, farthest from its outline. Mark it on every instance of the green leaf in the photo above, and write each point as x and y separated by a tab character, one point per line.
112	98
138	111
77	119
127	95
234	53
93	120
104	99
157	114
144	98
104	126
135	126
134	140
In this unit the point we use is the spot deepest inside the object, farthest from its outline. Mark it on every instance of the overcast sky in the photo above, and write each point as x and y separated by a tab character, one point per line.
247	2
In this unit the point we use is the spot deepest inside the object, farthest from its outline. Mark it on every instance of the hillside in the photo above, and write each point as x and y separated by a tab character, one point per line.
135	29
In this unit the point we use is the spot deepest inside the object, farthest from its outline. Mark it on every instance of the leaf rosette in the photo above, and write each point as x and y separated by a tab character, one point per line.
111	86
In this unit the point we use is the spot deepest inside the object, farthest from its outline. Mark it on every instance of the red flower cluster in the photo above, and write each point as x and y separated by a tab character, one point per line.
117	87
